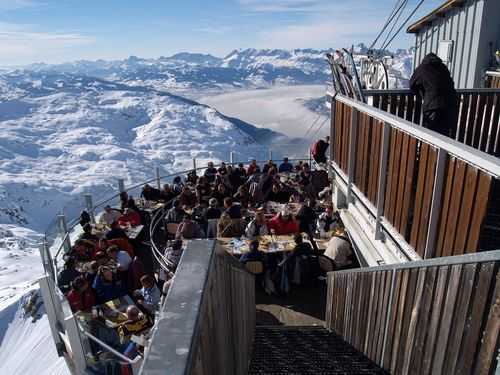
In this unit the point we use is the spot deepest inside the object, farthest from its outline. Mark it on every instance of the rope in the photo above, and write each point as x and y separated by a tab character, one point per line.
317	131
404	23
310	127
405	2
389	20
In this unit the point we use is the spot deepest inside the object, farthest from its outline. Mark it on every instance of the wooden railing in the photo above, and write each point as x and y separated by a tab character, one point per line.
437	316
437	196
478	123
207	323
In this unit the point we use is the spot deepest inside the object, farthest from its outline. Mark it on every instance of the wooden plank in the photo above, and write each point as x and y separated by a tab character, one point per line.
401	182
371	310
397	342
409	300
386	291
391	164
386	364
446	204
473	322
489	340
423	322
414	317
480	207
437	307
427	201
419	195
455	201
374	319
410	171
465	212
446	320
374	166
459	318
395	177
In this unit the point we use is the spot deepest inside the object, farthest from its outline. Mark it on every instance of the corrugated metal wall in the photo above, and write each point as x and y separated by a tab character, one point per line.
463	26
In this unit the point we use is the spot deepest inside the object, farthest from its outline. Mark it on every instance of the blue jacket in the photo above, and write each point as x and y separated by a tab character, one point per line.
251	256
107	291
285	167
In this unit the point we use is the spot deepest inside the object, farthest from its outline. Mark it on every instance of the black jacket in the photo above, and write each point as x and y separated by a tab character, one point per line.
432	81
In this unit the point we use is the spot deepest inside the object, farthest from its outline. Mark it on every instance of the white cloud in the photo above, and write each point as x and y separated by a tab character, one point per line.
21	44
16	4
276	6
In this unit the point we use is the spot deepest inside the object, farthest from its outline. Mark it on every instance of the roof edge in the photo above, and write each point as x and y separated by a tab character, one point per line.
438	12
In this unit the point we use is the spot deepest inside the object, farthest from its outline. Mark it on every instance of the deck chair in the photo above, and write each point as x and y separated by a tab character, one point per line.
255	267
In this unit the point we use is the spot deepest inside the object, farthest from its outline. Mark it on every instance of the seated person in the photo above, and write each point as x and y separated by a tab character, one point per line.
87	234
122	243
91	270
175	214
120	257
84	250
233	210
307	217
254	254
326	221
149	295
109	215
84	218
187	198
210	172
277	194
129	217
220	193
189	229
135	272
283	223
326	194
202	189
167	194
149	193
301	247
227	227
177	185
305	175
339	250
212	215
285	167
222	170
267	167
81	297
258	226
136	323
174	252
116	232
107	286
253	168
243	196
192	178
67	274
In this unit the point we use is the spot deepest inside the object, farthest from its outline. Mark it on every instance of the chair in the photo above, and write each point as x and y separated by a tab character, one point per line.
255	267
326	264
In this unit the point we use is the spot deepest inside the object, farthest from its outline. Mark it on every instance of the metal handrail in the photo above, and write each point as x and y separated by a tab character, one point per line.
482	257
110	349
479	159
408	91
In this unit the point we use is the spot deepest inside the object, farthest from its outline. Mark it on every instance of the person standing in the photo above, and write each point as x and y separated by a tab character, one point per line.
432	81
318	151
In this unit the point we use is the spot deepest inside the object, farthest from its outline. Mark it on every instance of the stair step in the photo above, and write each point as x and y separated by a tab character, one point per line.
305	350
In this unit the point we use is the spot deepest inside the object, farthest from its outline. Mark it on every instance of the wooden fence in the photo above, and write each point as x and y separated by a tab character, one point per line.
432	196
207	323
437	316
478	118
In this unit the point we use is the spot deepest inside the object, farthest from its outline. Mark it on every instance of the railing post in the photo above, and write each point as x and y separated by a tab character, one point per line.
382	178
121	185
270	154
332	135
90	207
430	243
63	229
353	131
77	346
158	179
194	163
231	158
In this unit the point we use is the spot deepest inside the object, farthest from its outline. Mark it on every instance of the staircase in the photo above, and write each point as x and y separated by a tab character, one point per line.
307	350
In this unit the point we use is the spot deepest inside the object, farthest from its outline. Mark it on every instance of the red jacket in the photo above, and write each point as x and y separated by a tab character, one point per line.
81	301
132	217
123	244
281	226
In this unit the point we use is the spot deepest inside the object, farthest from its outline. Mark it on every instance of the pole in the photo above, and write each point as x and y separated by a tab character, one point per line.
194	163
158	179
231	158
63	229
90	207
270	154
121	185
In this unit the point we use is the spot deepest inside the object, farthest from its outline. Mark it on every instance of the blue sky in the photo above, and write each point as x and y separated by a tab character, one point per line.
63	30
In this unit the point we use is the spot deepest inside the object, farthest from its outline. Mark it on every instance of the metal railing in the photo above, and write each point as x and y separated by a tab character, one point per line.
406	179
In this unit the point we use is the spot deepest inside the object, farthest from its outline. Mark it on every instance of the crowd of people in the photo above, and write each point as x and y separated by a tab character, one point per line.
228	201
